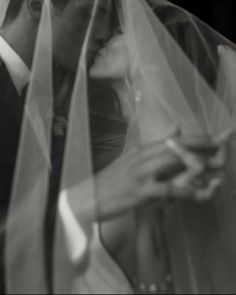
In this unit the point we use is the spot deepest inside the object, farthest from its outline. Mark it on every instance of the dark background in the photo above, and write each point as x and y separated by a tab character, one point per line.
219	14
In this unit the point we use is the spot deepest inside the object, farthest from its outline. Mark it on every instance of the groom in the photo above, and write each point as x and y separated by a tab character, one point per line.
17	40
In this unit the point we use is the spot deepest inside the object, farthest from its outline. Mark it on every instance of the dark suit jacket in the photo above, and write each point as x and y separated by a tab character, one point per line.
11	110
11	107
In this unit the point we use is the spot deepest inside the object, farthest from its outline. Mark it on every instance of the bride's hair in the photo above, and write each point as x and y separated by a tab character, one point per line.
107	126
13	10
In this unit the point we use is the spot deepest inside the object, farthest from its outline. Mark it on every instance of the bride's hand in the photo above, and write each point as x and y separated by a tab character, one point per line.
153	173
212	157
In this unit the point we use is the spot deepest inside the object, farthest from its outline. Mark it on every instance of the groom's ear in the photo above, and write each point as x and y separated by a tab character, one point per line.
35	9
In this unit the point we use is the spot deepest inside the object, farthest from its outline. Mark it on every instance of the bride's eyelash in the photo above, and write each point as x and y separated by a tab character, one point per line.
117	32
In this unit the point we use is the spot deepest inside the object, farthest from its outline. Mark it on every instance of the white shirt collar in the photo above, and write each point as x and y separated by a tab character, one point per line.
17	69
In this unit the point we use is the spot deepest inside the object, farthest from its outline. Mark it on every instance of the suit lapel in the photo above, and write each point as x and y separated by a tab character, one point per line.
9	96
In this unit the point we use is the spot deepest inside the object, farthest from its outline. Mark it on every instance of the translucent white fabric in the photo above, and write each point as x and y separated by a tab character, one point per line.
3	8
174	83
25	269
183	88
103	275
174	64
227	72
76	181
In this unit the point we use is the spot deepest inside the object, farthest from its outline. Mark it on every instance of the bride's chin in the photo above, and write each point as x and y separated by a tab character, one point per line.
94	73
101	75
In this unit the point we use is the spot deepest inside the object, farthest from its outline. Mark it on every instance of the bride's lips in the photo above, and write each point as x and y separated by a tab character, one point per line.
97	53
100	52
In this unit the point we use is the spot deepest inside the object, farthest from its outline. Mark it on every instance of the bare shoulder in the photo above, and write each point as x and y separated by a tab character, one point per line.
116	234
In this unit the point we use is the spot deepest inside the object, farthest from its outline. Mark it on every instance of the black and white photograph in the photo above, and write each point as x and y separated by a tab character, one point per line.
117	147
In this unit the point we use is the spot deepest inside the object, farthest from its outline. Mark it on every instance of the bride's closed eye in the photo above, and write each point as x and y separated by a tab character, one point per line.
116	31
119	32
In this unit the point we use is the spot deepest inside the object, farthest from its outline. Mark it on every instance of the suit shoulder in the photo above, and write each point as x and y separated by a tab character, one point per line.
2	67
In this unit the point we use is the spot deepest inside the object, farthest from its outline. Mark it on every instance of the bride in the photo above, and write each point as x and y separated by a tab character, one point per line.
149	250
114	266
140	251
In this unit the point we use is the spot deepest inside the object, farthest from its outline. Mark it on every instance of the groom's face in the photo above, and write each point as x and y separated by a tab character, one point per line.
70	25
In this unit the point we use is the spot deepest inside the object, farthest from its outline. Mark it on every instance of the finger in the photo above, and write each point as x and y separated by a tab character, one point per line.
189	192
225	137
203	181
159	151
162	167
209	192
154	191
217	162
170	191
183	187
151	150
190	177
167	192
190	160
178	193
202	146
156	147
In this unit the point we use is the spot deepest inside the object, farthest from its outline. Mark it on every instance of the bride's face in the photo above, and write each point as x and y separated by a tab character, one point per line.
111	62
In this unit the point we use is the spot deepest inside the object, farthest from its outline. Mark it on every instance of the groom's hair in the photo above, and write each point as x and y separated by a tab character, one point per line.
15	6
13	10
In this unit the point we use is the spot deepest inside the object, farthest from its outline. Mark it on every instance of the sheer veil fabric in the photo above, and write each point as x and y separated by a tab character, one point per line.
3	7
180	78
175	64
77	182
25	269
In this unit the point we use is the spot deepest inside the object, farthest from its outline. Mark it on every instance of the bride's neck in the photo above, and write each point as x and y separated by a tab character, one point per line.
121	88
124	92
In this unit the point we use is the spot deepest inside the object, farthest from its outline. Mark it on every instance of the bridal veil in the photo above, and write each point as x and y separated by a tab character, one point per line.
181	78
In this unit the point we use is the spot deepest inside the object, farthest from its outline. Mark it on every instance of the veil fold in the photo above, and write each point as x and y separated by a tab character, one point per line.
177	76
76	185
24	255
3	8
181	77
